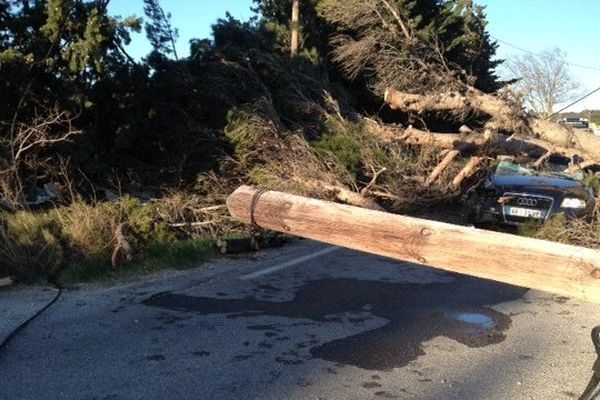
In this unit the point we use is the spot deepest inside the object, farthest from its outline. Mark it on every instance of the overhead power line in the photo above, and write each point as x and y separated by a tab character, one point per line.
533	53
573	103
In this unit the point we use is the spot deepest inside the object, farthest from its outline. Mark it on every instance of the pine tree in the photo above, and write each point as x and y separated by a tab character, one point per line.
160	33
414	45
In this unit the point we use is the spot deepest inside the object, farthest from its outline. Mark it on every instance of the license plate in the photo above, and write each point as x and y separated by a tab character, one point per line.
524	212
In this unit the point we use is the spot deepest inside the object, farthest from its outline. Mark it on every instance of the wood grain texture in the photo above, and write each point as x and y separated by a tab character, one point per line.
558	268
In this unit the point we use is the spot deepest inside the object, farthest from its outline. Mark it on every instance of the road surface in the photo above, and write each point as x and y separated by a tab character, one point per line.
307	321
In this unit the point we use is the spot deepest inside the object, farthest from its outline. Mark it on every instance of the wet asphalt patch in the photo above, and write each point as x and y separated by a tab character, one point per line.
416	313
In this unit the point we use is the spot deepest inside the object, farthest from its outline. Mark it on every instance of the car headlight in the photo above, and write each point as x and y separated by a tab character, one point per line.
570	202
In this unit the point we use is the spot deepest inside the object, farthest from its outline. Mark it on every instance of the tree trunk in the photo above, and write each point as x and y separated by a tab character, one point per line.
295	42
444	140
505	117
583	143
472	99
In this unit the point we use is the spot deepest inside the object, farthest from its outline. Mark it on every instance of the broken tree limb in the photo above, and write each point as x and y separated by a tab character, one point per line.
386	195
441	167
237	246
212	208
505	117
471	98
192	224
586	144
345	195
443	140
541	159
373	181
467	171
348	196
514	144
123	249
525	142
581	167
554	267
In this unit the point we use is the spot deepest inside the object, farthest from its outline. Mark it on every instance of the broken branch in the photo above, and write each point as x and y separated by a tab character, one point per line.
437	171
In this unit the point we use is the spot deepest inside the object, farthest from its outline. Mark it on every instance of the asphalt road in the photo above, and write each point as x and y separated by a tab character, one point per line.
307	321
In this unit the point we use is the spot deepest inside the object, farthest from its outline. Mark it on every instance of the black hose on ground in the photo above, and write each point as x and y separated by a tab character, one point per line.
11	335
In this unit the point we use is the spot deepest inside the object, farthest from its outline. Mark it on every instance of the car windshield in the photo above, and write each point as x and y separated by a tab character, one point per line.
509	168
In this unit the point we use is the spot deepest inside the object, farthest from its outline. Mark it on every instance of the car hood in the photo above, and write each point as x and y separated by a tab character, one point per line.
536	183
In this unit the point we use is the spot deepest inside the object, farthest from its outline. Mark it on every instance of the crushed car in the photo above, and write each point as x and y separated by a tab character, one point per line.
511	194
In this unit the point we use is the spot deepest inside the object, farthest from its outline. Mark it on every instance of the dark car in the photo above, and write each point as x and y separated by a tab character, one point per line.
513	195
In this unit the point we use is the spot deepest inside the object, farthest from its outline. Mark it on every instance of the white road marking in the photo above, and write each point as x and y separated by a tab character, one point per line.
289	263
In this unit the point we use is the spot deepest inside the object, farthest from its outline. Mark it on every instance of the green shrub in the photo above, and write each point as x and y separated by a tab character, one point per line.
251	129
176	255
345	148
555	229
30	246
529	228
142	219
89	229
593	180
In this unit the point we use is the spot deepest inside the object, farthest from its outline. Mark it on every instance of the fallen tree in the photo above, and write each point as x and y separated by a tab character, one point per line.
504	118
502	111
455	141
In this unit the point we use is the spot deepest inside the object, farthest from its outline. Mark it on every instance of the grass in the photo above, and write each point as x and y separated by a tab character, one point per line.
158	256
576	231
75	243
30	246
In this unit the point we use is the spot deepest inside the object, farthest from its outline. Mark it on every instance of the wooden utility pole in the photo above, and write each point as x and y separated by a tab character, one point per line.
554	267
295	44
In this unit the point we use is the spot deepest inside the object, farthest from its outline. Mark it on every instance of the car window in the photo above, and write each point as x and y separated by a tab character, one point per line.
509	168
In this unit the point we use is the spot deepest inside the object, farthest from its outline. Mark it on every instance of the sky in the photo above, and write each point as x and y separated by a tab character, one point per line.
531	25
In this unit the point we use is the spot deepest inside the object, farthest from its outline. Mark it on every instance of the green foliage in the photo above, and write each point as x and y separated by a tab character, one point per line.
593	181
89	229
13	59
448	36
158	256
30	246
90	48
238	109
234	38
345	148
249	127
276	23
554	229
142	219
160	33
44	245
58	13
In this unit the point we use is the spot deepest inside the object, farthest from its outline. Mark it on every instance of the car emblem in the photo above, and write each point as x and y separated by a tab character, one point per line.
526	202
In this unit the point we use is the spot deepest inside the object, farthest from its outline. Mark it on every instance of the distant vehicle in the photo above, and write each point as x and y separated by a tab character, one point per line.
575	123
513	195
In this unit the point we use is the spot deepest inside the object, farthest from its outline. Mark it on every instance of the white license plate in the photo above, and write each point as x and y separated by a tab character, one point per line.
524	212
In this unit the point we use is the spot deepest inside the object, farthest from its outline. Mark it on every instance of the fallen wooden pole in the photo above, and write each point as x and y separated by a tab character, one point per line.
554	267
